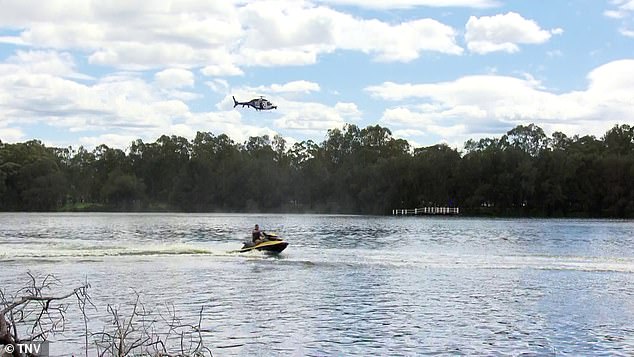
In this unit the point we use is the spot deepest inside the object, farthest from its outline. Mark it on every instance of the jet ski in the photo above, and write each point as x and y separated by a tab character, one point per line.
270	244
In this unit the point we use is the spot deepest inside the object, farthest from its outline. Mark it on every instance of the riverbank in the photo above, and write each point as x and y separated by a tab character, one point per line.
483	212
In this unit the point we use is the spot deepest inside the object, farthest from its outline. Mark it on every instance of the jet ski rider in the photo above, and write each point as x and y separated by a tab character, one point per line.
257	234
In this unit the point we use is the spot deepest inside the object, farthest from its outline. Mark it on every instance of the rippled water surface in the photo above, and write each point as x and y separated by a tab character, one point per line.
347	285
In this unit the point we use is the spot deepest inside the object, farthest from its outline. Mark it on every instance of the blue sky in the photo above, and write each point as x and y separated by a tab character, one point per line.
90	72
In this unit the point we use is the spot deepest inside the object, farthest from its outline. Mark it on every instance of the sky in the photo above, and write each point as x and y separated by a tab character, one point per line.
89	72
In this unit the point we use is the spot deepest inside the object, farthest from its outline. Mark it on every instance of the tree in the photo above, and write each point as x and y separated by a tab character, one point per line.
81	172
436	173
352	170
620	140
3	186
530	139
122	190
42	185
560	141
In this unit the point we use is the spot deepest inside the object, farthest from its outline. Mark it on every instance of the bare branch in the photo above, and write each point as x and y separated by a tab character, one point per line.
37	314
47	299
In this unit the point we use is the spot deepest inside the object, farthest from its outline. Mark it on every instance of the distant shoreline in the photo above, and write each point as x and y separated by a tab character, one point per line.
307	212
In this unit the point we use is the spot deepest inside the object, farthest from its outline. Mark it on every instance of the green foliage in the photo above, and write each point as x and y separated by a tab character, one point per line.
41	184
353	170
122	190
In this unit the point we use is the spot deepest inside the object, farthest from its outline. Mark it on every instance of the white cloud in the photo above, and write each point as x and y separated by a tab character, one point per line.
42	62
279	57
180	40
222	70
555	53
11	135
308	116
402	42
312	119
296	33
115	110
12	40
218	86
627	33
404	4
287	24
121	102
143	56
557	31
614	80
504	33
227	122
627	5
111	140
624	9
300	86
493	103
124	106
408	133
174	78
220	37
349	110
614	14
169	34
184	96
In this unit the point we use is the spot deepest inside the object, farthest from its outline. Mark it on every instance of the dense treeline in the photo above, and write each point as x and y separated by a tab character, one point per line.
352	171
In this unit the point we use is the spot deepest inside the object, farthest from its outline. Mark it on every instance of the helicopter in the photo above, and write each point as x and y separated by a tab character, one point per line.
257	104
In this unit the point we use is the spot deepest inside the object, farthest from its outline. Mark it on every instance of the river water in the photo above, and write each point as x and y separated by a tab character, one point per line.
346	285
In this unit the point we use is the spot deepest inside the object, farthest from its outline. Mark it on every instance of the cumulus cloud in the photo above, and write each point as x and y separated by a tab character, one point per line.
228	122
11	135
313	117
43	62
159	51
111	140
218	86
623	11
623	8
403	42
493	103
221	38
297	34
222	70
174	78
349	110
216	123
504	33
300	86
124	106
172	33
116	107
404	4
408	133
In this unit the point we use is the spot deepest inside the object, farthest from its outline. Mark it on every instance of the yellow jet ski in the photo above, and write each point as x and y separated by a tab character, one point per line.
271	244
